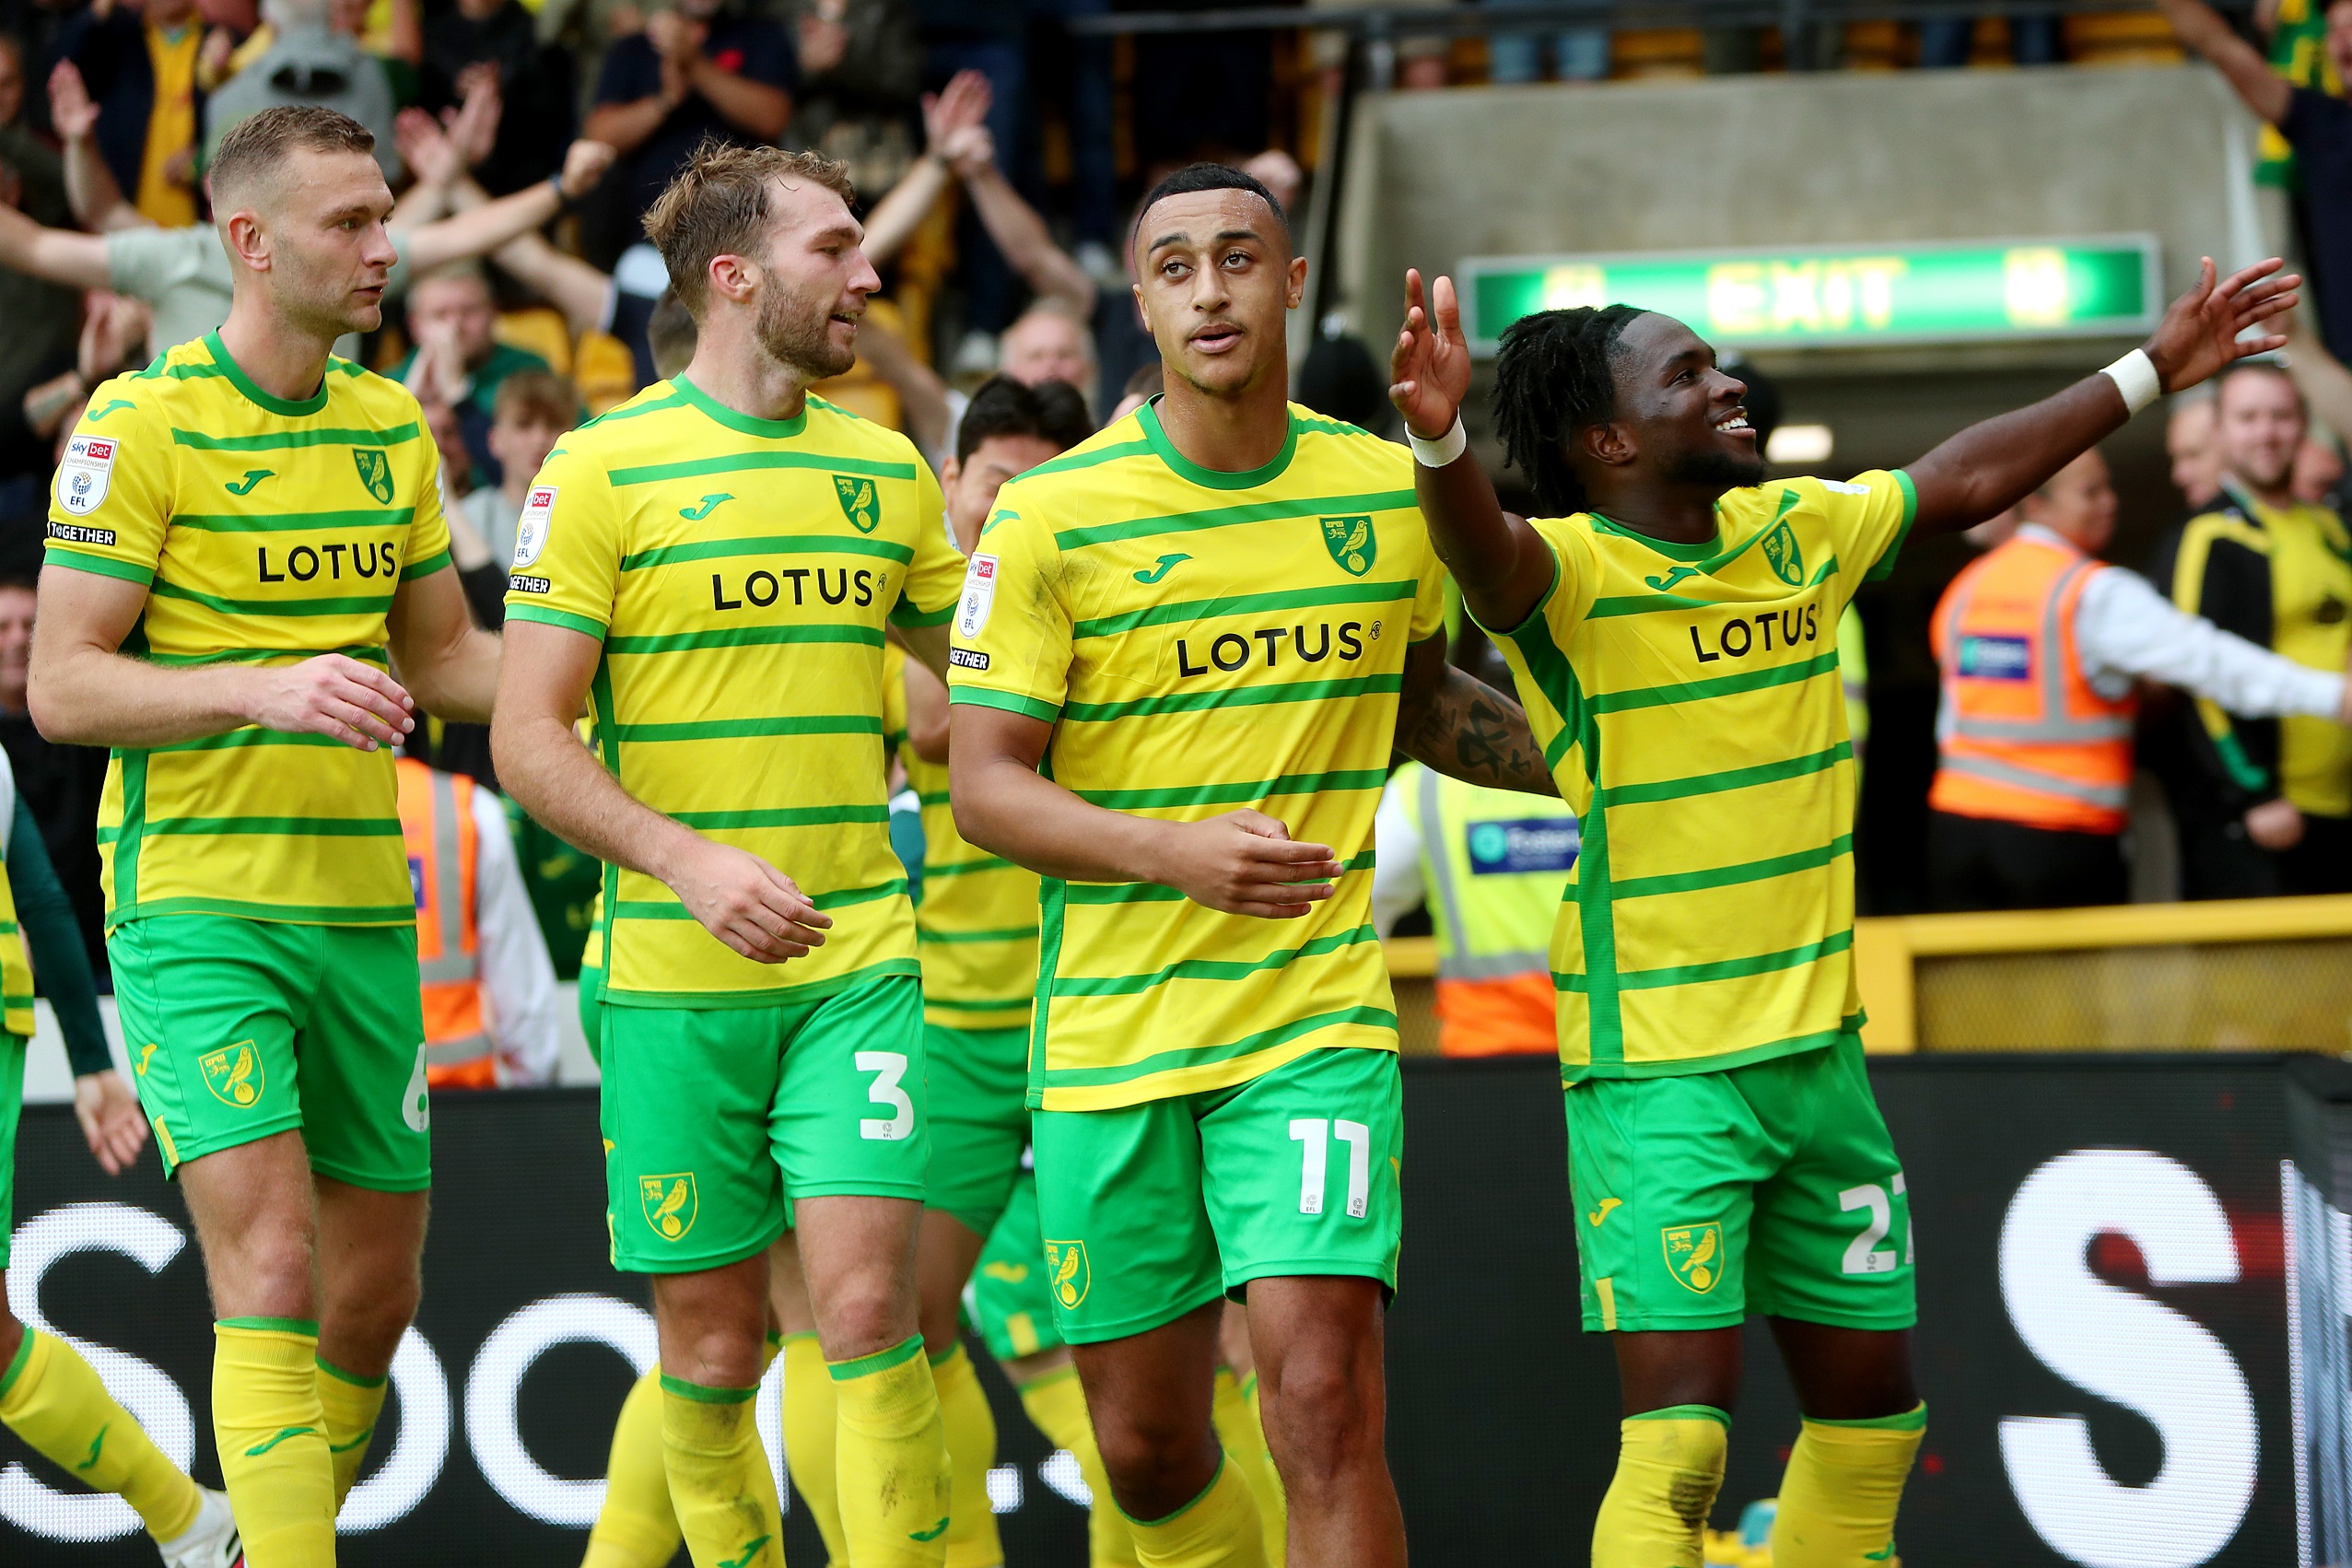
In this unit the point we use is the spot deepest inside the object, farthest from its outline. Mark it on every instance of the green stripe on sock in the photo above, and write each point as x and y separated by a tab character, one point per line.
1043	1379
351	1377
696	1391
796	1339
776	1338
1215	1477
16	1367
1912	1420
943	1357
1691	1412
302	1325
906	1349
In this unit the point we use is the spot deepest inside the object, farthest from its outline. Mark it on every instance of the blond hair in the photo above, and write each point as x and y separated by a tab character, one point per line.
255	149
718	205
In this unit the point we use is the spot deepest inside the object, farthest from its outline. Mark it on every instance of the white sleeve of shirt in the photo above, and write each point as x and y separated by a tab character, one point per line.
518	978
1396	871
7	804
2125	627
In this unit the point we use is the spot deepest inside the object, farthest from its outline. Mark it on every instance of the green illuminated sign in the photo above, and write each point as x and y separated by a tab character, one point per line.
1843	296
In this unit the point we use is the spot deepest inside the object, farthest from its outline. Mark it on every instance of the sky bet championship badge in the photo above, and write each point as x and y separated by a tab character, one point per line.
531	532
979	596
83	477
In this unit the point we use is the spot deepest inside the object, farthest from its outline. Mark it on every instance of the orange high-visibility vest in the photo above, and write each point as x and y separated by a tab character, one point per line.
2021	735
436	822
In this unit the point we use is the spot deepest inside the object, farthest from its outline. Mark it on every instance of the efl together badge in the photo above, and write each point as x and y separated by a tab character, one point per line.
88	469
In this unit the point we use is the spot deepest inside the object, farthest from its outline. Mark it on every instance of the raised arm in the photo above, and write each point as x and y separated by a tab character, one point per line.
1992	465
739	898
1505	569
1019	232
450	664
90	189
485	227
2200	28
921	394
948	116
54	255
83	691
1451	721
1243	862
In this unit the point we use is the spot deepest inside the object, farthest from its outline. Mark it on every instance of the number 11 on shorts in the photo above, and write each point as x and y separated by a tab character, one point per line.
1316	1133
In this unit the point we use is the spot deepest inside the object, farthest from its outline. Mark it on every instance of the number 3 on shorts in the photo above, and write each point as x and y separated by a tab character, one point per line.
888	1067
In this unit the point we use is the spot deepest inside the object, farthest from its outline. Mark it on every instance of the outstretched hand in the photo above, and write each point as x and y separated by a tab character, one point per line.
112	1122
963	102
2200	333
1429	370
71	108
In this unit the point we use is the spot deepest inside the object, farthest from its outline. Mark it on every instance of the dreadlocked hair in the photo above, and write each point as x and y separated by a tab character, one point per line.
1552	380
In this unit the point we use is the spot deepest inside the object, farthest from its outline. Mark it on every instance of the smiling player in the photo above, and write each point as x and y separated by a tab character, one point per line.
1672	624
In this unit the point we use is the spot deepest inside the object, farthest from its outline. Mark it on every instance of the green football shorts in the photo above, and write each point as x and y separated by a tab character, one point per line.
979	1117
12	1105
237	1029
1770	1188
1153	1209
1007	1302
713	1115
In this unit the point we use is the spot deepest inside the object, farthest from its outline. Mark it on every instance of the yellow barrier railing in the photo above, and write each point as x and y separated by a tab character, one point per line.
1888	950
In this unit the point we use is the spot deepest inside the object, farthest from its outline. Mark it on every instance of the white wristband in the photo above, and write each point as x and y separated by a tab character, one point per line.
2134	377
1443	450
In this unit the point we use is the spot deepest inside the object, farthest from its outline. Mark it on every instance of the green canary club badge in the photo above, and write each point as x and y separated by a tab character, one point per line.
1782	555
859	502
375	471
1351	542
1695	1255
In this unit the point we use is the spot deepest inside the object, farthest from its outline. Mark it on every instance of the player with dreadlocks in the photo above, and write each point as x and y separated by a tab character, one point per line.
1671	621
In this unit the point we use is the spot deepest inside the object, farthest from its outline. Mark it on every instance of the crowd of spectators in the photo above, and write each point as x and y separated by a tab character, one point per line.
994	147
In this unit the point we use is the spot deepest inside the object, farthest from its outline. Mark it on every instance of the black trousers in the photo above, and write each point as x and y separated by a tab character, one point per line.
1976	863
2218	860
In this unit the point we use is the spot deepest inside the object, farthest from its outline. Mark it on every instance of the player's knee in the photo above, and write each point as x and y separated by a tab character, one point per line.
1319	1416
867	1312
265	1275
1155	1467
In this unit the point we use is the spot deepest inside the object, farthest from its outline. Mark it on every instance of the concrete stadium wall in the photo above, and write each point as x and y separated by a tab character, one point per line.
1829	159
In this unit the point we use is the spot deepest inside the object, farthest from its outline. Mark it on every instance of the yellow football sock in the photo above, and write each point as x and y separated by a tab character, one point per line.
1243	1433
811	1417
971	1450
1058	1404
891	1447
720	1482
1843	1486
1669	1465
1217	1529
635	1527
49	1398
270	1432
352	1403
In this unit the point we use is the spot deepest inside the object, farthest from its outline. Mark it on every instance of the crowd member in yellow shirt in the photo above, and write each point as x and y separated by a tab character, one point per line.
1672	623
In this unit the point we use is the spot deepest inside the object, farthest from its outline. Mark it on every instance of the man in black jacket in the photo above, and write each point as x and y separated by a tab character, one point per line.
2264	805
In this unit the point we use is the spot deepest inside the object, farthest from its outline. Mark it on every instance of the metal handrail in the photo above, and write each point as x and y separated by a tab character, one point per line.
1393	21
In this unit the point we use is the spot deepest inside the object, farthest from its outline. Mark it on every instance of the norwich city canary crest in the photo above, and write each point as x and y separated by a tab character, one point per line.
375	471
1351	542
858	503
1071	1278
1695	1255
669	1203
1787	560
234	1074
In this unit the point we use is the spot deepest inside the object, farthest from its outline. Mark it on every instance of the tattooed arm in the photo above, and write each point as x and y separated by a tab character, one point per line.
1460	726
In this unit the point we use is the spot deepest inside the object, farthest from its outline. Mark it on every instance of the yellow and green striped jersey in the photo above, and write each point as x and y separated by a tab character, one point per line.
1688	700
1203	641
738	573
977	923
266	532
